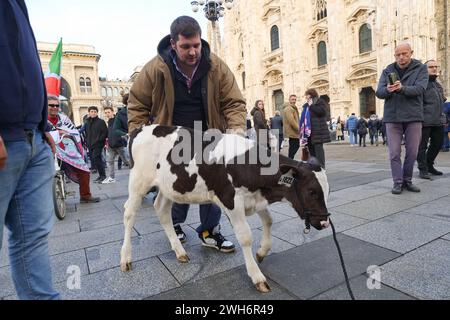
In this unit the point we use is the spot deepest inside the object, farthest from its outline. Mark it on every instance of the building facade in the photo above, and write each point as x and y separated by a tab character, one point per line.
338	47
113	90
80	87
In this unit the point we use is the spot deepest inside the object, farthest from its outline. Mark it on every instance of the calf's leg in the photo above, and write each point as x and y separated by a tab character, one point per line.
244	236
137	190
163	208
266	242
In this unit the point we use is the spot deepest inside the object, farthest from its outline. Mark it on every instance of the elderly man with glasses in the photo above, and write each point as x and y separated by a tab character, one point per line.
69	151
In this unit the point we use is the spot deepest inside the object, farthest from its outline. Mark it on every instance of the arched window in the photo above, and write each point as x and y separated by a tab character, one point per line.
322	54
365	38
243	80
88	85
116	92
127	90
274	38
109	92
82	85
103	92
321	9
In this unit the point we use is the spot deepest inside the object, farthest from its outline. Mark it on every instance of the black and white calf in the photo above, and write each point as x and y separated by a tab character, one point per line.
238	189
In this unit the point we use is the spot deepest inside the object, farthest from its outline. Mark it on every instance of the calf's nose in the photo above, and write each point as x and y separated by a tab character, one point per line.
325	224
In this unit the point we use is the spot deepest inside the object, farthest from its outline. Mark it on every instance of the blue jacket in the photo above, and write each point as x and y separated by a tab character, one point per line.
407	105
23	100
352	123
447	112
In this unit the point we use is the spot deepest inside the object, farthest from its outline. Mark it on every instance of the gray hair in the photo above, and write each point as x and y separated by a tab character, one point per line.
52	97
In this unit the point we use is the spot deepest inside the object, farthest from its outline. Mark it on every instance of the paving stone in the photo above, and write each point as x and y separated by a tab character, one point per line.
205	262
147	225
107	256
292	230
428	193
362	292
7	286
234	285
435	209
284	208
376	207
86	239
423	273
401	232
59	265
358	193
64	228
309	270
148	278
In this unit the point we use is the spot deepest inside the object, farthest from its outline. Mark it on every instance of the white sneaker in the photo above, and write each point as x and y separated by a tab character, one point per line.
109	180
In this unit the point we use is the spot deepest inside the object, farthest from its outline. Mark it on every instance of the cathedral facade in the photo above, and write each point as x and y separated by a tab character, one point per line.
338	47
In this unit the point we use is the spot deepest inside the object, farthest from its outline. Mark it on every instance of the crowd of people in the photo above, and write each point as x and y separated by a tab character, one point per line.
203	89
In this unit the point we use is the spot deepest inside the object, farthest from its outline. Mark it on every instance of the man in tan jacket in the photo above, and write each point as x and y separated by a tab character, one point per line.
183	85
291	120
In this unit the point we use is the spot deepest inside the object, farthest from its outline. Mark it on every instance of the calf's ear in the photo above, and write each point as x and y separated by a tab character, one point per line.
315	164
291	171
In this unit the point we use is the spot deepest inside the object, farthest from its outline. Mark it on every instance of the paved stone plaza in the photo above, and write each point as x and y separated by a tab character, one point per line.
407	236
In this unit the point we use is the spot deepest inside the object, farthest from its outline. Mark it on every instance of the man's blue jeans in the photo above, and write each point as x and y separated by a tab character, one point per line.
26	208
209	216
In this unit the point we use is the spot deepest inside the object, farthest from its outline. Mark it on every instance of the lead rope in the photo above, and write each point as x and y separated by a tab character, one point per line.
342	261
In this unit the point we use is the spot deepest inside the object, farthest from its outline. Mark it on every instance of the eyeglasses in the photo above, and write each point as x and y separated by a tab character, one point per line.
432	67
53	105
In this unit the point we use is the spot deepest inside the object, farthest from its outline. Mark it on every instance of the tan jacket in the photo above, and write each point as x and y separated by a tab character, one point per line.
153	95
291	120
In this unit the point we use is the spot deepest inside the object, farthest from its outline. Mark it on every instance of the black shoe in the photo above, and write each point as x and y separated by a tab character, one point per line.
423	174
216	240
410	187
433	171
180	234
90	200
100	180
397	189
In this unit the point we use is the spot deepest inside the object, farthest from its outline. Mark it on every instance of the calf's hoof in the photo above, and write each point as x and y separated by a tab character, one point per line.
126	267
263	287
259	258
184	259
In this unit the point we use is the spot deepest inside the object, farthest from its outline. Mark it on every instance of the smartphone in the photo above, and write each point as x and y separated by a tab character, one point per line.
393	78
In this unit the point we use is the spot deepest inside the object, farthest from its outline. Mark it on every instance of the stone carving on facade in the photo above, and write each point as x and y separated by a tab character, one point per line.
273	78
271	60
405	27
322	86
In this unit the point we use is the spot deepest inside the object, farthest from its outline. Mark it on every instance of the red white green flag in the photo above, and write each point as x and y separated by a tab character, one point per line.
53	75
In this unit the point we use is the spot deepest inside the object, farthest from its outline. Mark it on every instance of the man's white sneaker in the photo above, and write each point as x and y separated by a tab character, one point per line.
109	180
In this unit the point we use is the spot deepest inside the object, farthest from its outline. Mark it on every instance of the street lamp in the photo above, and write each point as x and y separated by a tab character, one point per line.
213	8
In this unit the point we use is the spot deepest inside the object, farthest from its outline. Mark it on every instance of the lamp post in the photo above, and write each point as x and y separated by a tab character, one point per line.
213	11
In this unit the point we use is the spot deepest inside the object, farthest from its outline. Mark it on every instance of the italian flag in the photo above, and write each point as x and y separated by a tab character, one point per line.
53	75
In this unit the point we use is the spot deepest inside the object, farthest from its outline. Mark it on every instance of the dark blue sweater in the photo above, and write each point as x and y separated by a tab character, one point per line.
23	101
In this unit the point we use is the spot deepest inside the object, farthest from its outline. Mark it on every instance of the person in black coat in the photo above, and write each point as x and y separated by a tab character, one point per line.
362	128
96	134
433	125
320	134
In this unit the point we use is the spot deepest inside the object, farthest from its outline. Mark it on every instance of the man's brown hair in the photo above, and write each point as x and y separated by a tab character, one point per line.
312	93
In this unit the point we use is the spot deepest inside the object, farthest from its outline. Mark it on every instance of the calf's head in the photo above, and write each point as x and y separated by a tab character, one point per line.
308	192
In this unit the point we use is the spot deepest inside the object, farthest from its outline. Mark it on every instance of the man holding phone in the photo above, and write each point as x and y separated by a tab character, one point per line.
402	86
